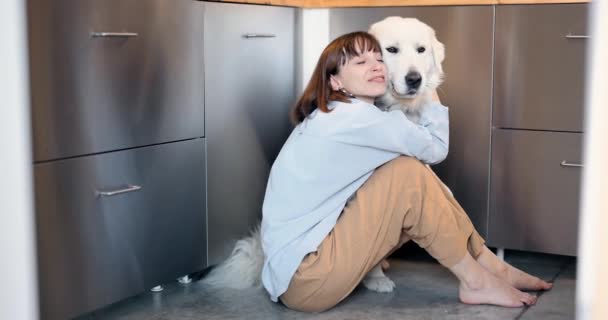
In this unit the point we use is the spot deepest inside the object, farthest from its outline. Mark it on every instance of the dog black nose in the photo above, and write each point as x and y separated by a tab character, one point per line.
413	79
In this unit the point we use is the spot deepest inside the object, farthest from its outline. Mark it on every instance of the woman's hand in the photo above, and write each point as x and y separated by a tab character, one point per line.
436	96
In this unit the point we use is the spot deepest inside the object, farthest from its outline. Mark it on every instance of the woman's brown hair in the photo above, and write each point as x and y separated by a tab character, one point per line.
318	92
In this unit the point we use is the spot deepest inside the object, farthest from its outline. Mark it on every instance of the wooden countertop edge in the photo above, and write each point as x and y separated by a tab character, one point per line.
393	3
540	2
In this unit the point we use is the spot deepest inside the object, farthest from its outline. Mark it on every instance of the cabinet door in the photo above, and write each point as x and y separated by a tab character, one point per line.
535	190
466	32
540	64
139	85
98	245
249	90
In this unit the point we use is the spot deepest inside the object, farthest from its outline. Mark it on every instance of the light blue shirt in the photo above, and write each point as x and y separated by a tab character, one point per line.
324	161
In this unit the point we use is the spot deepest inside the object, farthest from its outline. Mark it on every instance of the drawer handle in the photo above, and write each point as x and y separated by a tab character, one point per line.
577	36
113	34
129	188
565	163
258	35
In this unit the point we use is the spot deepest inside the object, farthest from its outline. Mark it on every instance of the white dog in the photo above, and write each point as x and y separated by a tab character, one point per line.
413	57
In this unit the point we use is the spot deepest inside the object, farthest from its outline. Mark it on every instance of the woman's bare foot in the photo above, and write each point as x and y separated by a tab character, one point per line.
479	286
488	289
510	274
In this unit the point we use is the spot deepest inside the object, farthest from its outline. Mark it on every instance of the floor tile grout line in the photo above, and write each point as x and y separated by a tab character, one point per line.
561	269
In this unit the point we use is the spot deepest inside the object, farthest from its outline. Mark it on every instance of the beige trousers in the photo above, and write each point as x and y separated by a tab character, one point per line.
403	200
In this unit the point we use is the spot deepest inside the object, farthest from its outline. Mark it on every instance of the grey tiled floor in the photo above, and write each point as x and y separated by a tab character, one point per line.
425	290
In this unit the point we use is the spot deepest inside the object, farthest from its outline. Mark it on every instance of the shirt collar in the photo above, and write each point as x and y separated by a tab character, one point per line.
333	104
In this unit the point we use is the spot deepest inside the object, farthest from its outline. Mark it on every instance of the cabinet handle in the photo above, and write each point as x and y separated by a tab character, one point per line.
113	34
258	35
577	36
129	188
565	163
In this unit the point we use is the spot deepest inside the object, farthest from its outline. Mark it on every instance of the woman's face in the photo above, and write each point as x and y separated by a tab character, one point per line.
363	76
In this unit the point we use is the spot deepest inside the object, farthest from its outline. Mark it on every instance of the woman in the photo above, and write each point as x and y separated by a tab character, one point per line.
350	186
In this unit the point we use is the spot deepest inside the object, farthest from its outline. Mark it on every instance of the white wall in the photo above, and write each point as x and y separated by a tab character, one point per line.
312	36
592	271
18	297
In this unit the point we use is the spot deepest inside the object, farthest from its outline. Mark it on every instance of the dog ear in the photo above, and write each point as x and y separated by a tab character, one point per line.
438	53
372	29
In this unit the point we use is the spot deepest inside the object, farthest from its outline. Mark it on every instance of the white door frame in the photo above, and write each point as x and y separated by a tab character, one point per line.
19	295
592	271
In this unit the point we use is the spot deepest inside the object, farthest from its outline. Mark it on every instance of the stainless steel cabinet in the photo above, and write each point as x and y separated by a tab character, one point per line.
467	34
540	64
118	116
535	190
249	90
538	123
114	74
113	225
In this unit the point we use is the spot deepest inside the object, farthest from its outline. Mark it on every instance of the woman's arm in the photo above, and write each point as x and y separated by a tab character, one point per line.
435	118
365	125
435	96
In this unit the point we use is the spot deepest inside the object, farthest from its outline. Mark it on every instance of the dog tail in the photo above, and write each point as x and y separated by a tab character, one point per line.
243	268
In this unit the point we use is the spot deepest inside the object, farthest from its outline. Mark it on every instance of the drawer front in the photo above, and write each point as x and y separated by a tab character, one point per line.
94	250
141	86
245	129
534	199
539	71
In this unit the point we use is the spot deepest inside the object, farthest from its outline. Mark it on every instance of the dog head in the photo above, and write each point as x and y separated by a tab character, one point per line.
413	57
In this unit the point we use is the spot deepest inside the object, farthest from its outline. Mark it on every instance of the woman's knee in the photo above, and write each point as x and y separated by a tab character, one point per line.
407	172
408	165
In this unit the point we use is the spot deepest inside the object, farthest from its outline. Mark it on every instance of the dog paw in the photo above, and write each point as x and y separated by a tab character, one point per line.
379	284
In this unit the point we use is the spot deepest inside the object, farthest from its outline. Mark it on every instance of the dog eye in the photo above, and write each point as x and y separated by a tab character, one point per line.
421	49
392	49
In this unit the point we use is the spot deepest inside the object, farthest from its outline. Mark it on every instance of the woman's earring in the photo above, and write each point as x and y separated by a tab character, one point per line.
348	94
